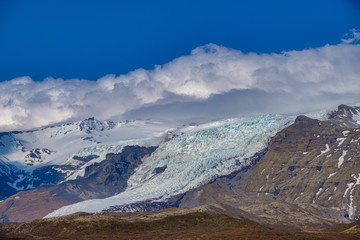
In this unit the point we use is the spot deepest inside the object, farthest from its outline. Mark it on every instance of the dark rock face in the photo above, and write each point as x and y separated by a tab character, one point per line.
6	190
108	177
159	170
8	175
86	158
52	174
13	180
101	180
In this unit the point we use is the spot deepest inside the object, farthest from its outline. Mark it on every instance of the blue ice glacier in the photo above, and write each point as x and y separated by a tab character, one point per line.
191	160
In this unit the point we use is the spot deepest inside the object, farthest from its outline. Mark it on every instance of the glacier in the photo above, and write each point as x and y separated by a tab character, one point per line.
196	156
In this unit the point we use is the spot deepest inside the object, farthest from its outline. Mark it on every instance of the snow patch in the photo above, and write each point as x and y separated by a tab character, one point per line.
342	158
331	174
341	141
324	151
345	133
351	187
14	184
319	191
66	172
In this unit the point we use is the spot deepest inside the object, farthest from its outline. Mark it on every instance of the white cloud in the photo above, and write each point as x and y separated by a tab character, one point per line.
355	36
316	74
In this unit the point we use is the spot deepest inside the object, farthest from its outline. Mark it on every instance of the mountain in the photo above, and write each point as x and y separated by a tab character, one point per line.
279	171
346	116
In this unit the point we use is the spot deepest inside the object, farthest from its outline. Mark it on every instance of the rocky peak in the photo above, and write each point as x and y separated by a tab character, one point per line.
306	121
346	116
91	124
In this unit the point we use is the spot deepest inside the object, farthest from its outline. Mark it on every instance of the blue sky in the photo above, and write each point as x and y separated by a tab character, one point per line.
88	39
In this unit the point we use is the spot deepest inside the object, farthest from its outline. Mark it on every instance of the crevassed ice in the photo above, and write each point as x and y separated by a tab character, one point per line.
192	159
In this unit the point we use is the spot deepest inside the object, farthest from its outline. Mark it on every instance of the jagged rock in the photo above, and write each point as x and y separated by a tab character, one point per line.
346	116
91	124
37	156
159	170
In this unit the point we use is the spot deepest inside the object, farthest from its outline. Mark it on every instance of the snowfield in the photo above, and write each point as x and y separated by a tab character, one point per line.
58	144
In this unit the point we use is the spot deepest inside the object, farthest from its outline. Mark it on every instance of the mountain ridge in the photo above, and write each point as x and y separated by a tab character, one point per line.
258	161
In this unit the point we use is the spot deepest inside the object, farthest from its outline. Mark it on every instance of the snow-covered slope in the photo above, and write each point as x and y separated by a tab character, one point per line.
30	149
69	148
198	155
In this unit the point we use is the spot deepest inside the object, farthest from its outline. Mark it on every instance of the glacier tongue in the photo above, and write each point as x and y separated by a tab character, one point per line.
191	160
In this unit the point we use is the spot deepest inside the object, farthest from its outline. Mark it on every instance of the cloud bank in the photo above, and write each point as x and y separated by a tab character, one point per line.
323	75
